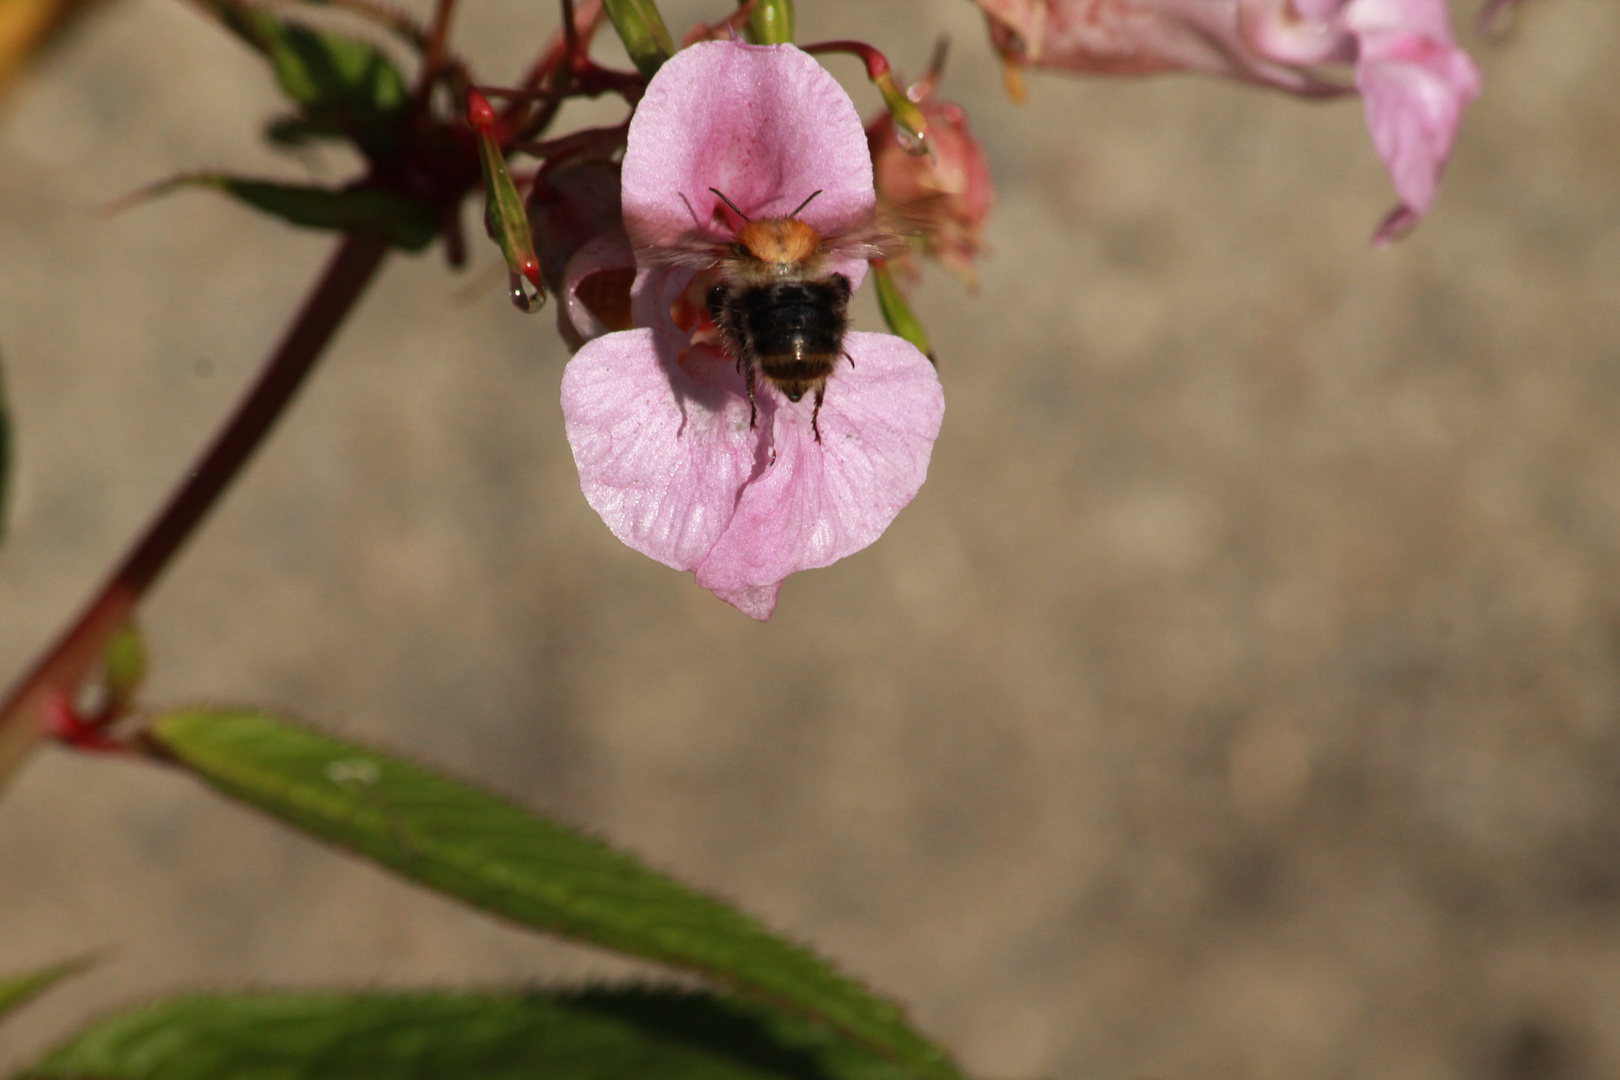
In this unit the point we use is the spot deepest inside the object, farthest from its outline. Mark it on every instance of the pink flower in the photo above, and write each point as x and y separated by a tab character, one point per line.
1413	78
658	417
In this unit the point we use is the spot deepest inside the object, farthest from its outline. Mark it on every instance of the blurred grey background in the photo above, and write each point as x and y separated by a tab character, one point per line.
1240	697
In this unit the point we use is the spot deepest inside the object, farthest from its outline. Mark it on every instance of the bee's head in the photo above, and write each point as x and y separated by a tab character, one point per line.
778	241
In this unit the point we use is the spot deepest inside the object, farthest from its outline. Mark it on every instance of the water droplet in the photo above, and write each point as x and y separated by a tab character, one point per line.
526	299
910	141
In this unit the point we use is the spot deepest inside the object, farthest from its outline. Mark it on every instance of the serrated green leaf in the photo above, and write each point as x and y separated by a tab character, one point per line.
600	1035
465	843
403	222
19	990
339	83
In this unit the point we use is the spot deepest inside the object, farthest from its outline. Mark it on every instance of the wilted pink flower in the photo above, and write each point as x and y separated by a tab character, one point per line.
948	193
659	420
1411	74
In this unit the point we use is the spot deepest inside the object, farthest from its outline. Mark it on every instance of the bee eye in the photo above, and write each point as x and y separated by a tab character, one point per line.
716	301
739	251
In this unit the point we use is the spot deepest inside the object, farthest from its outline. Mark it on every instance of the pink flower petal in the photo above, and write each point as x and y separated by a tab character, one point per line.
1415	83
1413	78
662	446
767	125
815	503
671	465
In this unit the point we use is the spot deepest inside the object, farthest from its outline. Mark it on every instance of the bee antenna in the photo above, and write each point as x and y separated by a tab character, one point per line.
733	205
802	205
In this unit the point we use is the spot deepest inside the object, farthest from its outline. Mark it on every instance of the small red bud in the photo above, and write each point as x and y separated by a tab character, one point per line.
480	113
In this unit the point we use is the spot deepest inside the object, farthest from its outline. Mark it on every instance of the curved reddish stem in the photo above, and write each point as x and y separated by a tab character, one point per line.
877	65
60	670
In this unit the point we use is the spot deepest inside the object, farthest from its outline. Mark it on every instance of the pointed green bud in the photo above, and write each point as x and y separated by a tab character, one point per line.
897	312
643	32
123	666
504	217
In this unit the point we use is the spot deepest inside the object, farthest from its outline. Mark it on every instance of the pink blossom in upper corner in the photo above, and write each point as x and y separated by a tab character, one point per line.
658	416
1413	78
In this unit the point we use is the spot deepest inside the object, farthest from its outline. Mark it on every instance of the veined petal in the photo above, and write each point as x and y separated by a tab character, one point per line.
767	125
661	442
815	503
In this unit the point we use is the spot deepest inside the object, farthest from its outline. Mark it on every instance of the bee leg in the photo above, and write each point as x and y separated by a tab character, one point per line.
850	358
815	414
753	410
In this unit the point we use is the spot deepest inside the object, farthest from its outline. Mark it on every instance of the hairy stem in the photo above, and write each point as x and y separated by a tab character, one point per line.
71	658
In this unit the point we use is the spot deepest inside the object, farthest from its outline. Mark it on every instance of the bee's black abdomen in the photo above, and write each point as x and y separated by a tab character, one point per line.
789	324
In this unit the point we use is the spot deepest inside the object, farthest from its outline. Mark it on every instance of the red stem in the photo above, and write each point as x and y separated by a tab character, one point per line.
70	659
877	65
437	36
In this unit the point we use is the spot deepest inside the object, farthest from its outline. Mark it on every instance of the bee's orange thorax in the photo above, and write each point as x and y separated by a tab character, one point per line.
780	240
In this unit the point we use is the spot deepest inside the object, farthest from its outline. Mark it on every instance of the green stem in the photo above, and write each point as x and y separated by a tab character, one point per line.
771	22
64	666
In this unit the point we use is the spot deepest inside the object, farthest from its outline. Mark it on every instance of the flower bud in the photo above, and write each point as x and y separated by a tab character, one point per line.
947	195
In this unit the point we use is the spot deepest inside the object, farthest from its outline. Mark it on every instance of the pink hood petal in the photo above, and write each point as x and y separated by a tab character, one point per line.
661	456
608	253
815	503
767	125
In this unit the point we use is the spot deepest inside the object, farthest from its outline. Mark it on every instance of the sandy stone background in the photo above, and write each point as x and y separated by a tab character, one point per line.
1240	697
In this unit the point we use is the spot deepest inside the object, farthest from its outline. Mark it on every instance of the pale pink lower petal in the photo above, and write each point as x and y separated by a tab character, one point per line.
662	444
766	125
754	601
815	503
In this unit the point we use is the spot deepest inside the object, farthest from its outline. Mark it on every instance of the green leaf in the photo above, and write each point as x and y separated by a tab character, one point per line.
403	222
298	130
339	83
123	665
429	1035
465	843
19	990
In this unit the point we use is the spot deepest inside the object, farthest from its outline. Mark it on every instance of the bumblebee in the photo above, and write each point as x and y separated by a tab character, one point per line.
781	313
